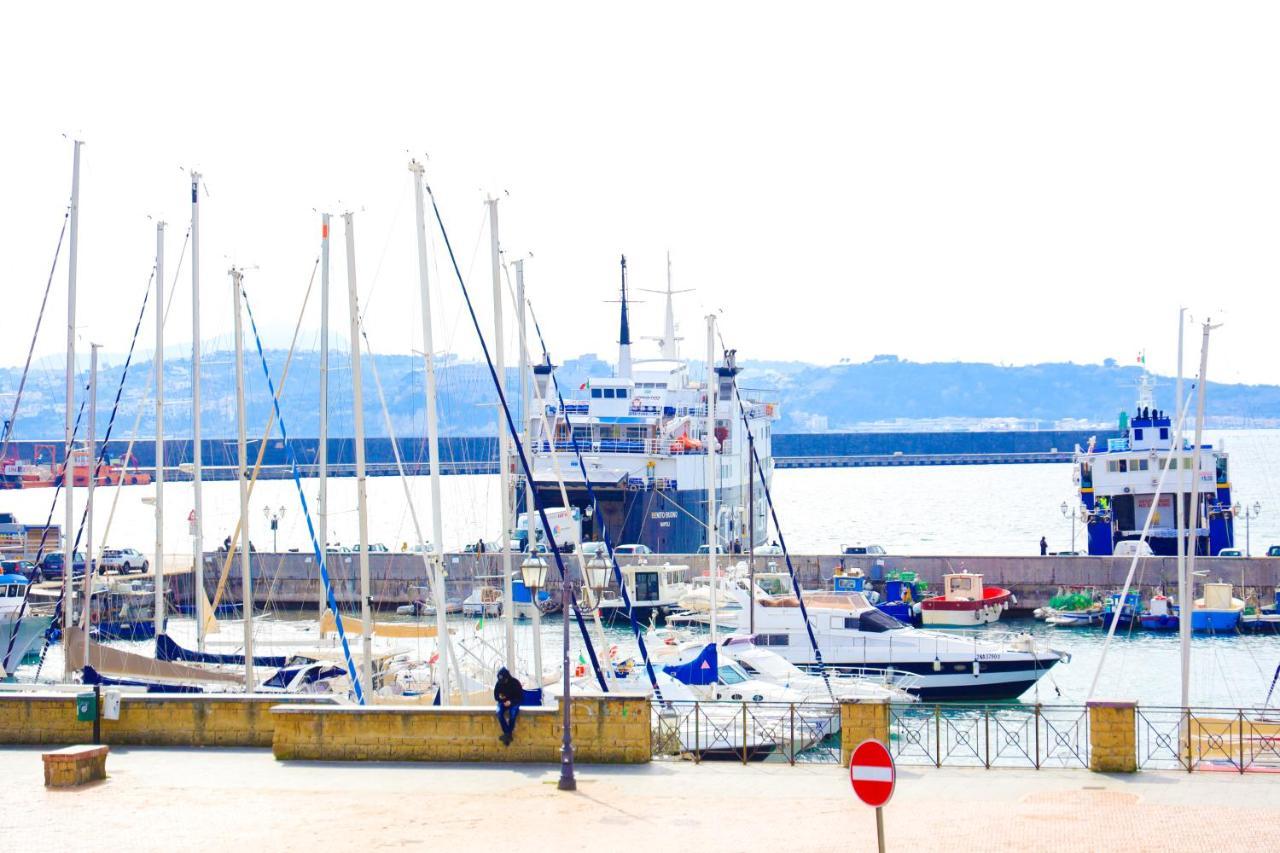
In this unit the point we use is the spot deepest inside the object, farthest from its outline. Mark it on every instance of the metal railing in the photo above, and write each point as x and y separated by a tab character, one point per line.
1236	740
794	732
990	735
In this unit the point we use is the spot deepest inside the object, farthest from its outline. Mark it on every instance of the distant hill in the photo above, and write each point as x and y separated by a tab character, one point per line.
885	393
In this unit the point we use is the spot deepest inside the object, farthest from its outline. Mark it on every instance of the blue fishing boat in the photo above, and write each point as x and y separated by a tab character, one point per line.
903	592
1123	616
1218	611
1161	615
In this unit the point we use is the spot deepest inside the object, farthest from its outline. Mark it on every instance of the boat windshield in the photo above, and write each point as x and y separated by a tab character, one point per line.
877	622
729	675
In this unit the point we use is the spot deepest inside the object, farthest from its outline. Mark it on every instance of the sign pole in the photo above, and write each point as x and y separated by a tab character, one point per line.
880	827
873	777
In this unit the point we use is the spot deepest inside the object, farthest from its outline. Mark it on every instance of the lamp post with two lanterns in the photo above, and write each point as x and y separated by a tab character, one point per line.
1067	513
274	516
533	572
1248	513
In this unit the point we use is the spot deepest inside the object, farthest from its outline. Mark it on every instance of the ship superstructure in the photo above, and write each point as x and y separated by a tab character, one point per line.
643	436
1118	485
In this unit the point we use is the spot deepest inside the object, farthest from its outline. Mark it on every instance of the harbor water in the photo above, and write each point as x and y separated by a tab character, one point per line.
995	509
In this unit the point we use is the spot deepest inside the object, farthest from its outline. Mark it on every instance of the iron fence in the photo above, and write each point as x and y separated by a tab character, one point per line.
794	732
990	735
1236	740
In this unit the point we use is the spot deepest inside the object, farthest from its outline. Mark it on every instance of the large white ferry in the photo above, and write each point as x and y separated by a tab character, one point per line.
643	436
1117	481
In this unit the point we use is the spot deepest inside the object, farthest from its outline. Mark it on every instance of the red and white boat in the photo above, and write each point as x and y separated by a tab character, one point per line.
965	602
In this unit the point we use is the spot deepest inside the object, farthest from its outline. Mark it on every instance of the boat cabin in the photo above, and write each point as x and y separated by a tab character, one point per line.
962	586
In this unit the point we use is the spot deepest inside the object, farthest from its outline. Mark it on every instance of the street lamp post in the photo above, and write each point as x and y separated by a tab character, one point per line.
274	517
1248	513
1068	514
567	782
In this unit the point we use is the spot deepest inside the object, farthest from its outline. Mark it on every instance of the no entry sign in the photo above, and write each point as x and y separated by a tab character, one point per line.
871	773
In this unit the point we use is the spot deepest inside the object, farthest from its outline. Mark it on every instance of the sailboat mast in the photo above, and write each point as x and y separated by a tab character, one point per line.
433	441
713	539
362	504
68	483
197	453
242	460
1180	517
322	461
89	572
504	441
525	415
159	365
1185	608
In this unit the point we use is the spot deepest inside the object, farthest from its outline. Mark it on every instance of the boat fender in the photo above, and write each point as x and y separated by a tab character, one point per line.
977	669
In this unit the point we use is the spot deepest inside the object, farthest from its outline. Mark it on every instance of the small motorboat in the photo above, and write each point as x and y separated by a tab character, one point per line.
965	602
1218	611
1161	614
484	600
1125	615
1090	617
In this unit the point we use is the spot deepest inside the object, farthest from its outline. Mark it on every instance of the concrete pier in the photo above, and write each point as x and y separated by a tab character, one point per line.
290	580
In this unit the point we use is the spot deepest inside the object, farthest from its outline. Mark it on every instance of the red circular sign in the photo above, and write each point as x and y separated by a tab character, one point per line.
871	773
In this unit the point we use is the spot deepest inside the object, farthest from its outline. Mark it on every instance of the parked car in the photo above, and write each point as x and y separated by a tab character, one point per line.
1130	547
1273	551
770	549
593	549
26	568
862	550
706	549
374	548
633	549
1066	554
123	560
1230	552
489	547
51	565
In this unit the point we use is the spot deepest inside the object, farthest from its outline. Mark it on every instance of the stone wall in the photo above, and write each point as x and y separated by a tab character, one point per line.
605	731
861	721
145	720
1113	737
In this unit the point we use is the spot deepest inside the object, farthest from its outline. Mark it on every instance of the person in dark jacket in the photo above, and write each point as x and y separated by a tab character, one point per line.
509	693
1044	546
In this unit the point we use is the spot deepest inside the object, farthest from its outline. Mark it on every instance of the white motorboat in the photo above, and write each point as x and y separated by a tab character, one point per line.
655	591
853	635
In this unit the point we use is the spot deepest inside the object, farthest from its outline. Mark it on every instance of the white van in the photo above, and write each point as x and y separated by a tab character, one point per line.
1130	547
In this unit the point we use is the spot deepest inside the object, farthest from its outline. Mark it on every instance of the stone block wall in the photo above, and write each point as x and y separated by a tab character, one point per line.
861	721
1113	737
605	731
145	720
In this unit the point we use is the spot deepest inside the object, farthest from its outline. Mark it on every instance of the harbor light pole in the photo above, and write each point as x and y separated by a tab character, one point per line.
1071	516
567	782
1248	513
274	518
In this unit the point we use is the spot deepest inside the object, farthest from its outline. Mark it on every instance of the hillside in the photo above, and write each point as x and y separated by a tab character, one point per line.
886	393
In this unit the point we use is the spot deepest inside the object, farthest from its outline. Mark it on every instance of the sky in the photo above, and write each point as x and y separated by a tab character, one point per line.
1000	182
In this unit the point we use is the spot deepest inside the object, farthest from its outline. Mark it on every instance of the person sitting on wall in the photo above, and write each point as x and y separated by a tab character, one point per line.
509	693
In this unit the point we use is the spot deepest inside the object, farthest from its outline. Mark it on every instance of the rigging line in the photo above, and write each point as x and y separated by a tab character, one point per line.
595	504
302	497
773	511
262	445
437	554
520	449
22	383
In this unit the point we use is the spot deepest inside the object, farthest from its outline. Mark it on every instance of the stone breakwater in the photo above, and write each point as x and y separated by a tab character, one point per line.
291	580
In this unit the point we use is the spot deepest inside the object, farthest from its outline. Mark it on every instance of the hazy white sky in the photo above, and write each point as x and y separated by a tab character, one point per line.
1009	182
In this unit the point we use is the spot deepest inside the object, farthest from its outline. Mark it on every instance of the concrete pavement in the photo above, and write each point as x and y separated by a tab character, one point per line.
244	799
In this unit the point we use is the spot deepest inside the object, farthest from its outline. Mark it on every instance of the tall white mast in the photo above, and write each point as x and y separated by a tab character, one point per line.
713	538
526	415
159	364
1179	514
433	441
504	440
1185	608
197	453
68	482
362	504
86	601
242	475
322	498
